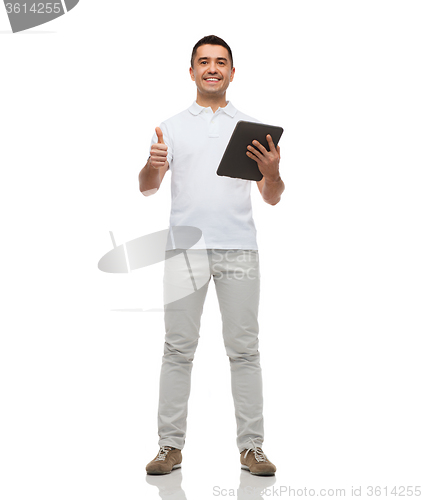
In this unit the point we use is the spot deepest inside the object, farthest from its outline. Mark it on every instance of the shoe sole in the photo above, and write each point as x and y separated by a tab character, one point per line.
256	473
177	466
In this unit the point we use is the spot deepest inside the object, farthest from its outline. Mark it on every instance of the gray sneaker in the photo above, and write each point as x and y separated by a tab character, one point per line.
165	461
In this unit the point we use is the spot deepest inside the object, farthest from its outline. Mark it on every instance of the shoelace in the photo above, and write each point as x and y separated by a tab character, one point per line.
258	452
164	450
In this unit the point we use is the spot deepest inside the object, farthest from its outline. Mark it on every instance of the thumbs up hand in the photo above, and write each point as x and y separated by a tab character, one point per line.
158	152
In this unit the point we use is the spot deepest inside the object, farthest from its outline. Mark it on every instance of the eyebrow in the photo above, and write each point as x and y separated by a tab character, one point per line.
218	58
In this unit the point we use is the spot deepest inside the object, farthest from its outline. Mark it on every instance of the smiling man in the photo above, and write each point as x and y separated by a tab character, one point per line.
190	145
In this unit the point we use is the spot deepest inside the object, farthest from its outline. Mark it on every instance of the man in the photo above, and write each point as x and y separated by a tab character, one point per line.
190	144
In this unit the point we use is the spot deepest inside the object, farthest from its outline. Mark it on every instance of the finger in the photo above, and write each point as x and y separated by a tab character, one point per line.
270	141
256	151
157	162
155	150
260	147
155	157
253	156
159	136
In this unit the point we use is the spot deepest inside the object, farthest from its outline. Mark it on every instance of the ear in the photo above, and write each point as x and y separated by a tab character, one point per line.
232	74
191	72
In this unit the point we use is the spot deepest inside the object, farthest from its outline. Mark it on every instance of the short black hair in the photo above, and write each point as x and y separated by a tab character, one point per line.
211	40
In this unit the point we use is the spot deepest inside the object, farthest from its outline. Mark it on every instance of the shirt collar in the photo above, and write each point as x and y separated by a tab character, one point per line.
229	109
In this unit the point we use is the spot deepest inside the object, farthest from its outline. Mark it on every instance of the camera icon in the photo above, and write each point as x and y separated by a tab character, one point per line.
185	271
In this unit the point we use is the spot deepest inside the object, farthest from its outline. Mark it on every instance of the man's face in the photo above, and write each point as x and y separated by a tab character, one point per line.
212	62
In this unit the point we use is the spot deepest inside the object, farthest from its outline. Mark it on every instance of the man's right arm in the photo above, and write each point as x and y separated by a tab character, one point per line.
151	177
152	174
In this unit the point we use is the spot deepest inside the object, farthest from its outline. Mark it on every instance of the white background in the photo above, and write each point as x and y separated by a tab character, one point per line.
341	303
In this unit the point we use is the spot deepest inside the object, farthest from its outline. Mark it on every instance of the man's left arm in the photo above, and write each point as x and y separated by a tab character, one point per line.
271	186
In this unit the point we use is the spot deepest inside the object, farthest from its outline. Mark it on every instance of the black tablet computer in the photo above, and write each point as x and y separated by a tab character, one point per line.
235	162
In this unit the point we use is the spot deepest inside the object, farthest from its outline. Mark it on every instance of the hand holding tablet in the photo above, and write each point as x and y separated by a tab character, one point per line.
251	138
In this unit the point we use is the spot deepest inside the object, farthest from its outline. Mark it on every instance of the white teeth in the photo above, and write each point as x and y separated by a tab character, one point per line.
212	79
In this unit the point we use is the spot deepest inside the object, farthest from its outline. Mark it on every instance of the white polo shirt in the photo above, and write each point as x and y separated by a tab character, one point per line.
220	206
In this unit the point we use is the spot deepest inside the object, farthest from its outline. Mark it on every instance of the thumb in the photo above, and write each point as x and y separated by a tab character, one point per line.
159	135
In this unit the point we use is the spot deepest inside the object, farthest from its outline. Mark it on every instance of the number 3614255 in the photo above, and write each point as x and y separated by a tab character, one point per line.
35	8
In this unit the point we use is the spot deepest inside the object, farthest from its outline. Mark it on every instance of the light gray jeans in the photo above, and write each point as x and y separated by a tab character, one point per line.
236	275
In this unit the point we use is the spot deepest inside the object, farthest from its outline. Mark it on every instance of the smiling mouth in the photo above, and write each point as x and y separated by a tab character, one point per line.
212	79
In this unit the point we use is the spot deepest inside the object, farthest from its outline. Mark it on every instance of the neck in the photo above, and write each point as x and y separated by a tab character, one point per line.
215	103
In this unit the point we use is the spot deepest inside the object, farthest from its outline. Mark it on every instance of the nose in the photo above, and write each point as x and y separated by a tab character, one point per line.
212	68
